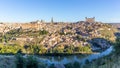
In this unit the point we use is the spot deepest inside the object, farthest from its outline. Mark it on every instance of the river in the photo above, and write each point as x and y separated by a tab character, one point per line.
70	59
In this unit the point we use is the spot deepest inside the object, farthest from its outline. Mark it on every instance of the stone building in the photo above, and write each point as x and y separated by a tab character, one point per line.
90	20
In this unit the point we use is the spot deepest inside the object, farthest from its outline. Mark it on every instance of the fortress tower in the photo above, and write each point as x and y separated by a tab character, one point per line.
90	20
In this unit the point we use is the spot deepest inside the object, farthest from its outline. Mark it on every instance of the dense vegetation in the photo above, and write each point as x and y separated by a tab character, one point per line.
110	61
28	62
40	49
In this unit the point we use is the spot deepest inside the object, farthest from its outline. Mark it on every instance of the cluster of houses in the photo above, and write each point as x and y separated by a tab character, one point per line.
59	33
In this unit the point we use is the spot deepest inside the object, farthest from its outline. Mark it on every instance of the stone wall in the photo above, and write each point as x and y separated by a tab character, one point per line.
90	20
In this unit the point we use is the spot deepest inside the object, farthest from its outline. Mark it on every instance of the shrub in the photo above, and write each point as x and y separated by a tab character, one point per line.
86	61
9	49
43	32
117	46
52	66
28	62
69	49
58	49
32	62
20	61
42	65
76	65
69	65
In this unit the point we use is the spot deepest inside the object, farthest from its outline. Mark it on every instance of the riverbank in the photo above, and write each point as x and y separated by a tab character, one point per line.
109	61
57	60
54	54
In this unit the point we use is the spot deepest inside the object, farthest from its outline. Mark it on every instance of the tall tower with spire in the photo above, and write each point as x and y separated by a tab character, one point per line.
52	20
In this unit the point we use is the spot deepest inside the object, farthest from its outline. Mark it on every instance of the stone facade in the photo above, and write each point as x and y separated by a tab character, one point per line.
90	20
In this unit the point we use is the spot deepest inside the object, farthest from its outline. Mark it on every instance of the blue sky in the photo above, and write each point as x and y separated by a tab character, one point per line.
60	10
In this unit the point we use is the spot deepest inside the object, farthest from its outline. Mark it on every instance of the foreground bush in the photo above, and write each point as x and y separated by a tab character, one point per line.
29	62
73	65
32	62
20	61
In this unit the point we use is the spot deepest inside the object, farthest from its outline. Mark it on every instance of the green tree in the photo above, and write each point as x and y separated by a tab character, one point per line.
58	49
20	61
69	65
117	46
78	48
43	32
76	64
26	47
42	49
69	49
9	49
32	62
82	49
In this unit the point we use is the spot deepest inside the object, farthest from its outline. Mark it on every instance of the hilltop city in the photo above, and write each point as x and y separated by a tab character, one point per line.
58	44
58	36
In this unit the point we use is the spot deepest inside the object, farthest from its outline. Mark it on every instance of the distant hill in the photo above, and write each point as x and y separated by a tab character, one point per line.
117	25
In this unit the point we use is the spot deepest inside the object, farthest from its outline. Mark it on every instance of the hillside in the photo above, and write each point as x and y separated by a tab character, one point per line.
110	61
117	25
40	37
